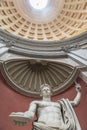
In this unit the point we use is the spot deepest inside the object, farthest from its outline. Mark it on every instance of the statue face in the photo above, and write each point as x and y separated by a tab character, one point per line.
46	92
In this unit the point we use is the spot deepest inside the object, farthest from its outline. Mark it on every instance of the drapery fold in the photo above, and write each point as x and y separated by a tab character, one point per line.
70	121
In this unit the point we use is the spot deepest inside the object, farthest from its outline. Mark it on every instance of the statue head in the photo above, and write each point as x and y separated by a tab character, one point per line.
45	90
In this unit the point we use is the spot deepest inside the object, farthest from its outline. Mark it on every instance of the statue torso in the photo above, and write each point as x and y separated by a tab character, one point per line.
49	113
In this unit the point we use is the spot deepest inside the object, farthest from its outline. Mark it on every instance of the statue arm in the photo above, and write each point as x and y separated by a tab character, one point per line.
21	118
31	111
76	100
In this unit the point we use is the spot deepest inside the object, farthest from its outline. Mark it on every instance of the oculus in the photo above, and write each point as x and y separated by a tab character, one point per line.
38	4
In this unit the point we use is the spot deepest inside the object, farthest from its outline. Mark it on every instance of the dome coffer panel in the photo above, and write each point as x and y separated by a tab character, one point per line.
61	19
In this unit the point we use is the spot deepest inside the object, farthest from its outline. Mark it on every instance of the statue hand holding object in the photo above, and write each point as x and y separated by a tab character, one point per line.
78	87
19	118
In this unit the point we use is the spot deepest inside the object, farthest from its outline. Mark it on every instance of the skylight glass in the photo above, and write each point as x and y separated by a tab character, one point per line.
38	4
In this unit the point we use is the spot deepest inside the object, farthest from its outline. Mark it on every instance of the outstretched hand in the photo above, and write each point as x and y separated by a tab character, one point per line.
19	119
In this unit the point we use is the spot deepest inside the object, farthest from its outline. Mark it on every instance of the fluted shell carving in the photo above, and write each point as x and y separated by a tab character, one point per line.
26	76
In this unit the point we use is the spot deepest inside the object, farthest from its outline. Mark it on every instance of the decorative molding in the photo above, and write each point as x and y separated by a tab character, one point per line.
7	38
37	54
43	48
26	76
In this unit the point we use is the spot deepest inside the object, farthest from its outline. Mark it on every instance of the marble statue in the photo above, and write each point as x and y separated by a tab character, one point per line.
51	115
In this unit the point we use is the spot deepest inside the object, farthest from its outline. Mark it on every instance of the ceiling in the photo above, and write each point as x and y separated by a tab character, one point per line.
59	20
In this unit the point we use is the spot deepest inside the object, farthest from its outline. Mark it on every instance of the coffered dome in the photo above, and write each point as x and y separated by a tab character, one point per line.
58	20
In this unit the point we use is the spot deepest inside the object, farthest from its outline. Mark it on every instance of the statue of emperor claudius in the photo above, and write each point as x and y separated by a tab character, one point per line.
57	115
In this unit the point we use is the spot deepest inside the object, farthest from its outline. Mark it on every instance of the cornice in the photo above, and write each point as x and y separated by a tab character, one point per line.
43	49
10	39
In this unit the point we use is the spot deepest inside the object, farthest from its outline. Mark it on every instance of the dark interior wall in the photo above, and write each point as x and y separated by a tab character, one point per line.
11	101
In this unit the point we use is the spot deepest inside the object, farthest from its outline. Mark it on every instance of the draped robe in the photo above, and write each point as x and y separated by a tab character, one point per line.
70	121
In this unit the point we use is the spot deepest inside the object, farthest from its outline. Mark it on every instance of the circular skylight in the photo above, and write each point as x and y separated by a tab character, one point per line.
38	4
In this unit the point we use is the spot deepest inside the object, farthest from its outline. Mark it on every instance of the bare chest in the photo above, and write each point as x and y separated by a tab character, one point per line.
43	104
